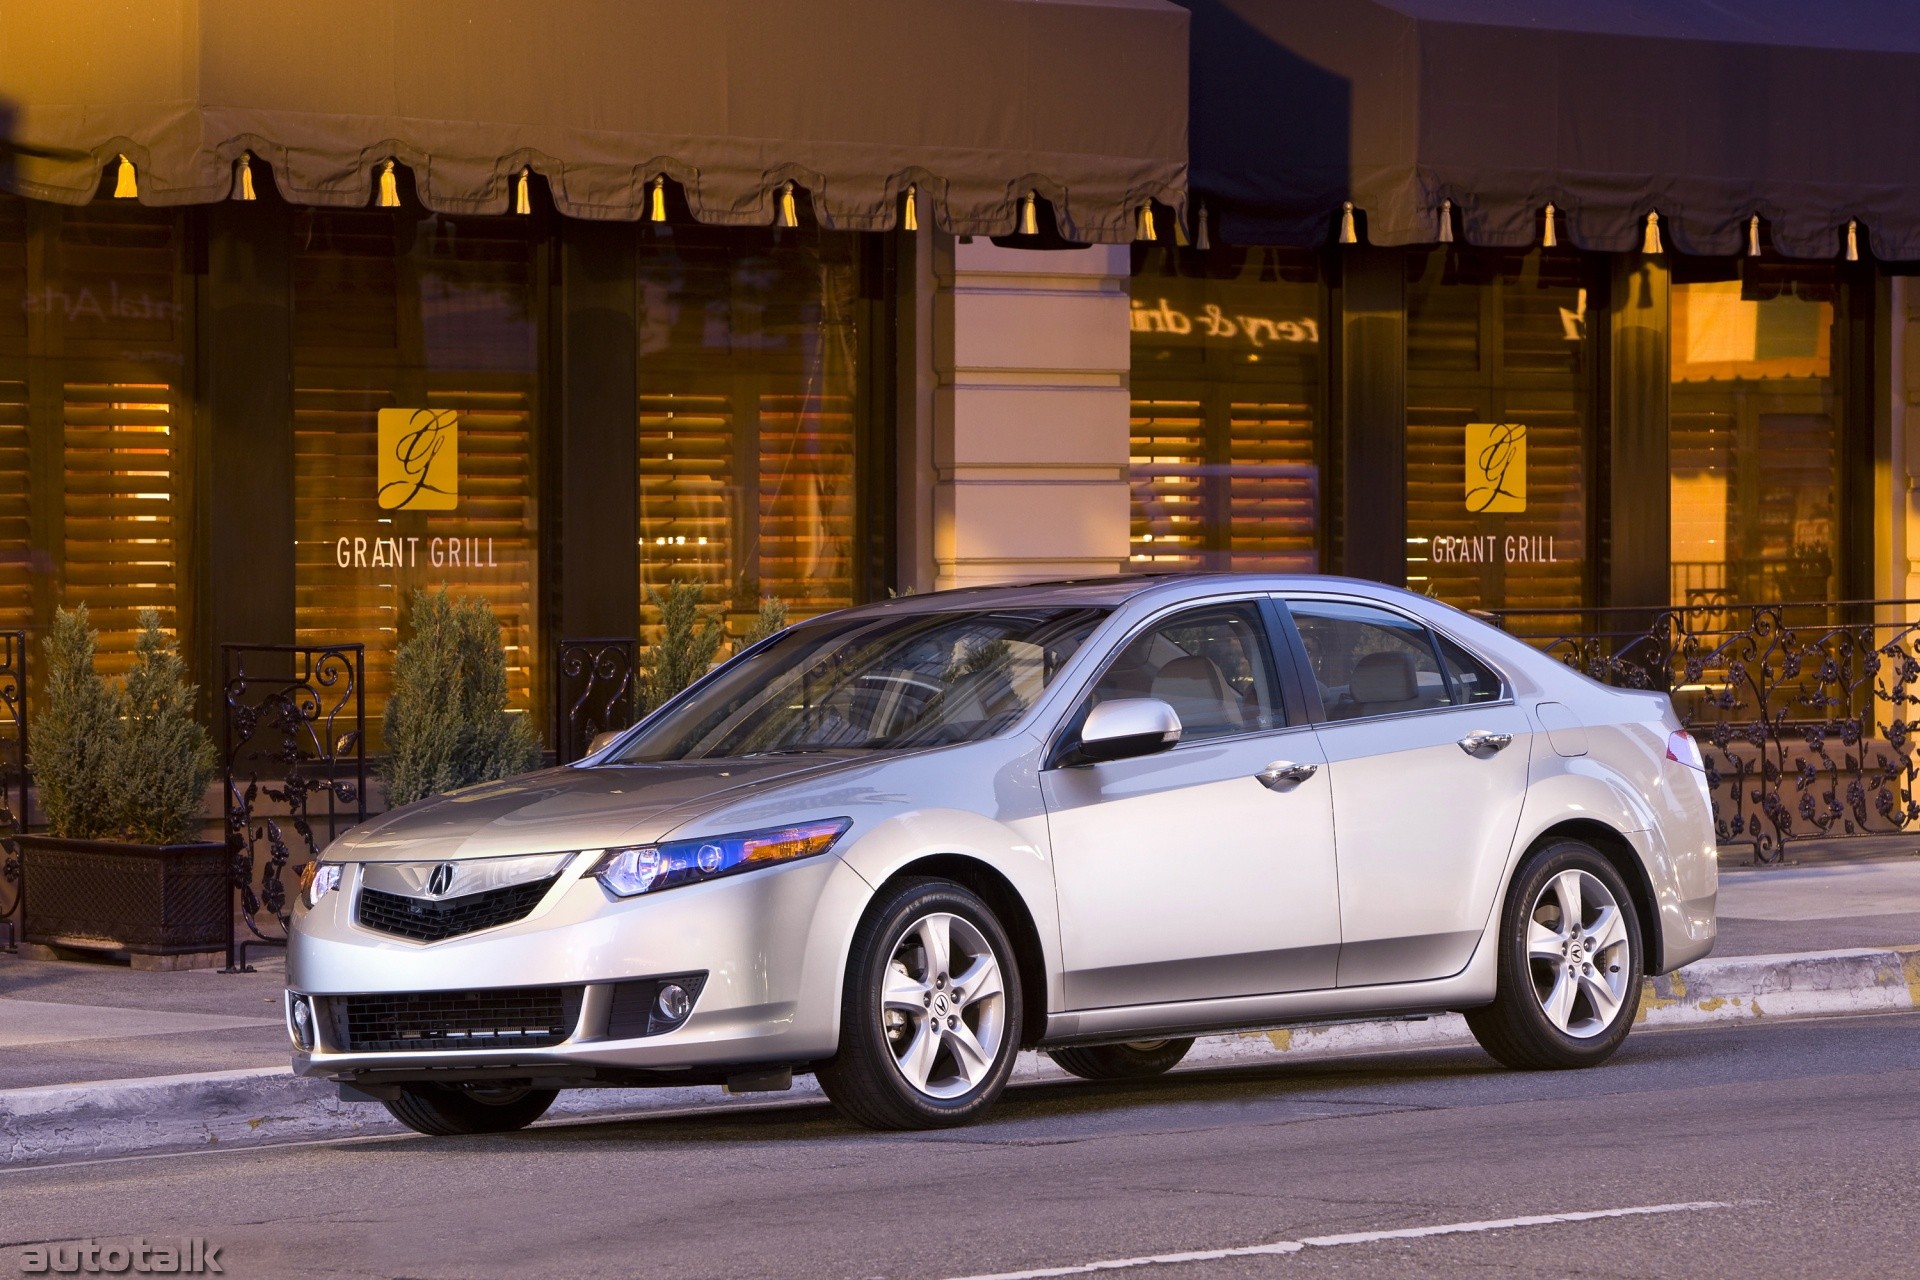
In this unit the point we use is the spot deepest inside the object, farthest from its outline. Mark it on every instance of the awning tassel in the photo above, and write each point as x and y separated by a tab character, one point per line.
1200	240
1030	214
389	187
246	177
1550	239
657	202
1145	229
1853	240
522	196
789	214
1651	245
910	220
125	186
1753	236
1446	222
1347	233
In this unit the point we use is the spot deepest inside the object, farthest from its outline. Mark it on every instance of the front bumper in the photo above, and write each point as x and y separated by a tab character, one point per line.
771	945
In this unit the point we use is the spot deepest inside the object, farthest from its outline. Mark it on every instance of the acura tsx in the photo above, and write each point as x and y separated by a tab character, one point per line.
894	845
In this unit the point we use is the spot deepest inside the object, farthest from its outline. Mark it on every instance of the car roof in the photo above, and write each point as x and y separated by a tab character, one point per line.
1113	591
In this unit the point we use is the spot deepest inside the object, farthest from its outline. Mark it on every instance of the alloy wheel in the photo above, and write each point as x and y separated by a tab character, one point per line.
1578	953
943	1005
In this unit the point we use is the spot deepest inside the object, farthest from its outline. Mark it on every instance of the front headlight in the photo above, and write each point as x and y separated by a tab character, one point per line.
317	880
650	868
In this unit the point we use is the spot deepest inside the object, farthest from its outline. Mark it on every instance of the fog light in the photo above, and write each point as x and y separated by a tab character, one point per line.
673	1002
303	1022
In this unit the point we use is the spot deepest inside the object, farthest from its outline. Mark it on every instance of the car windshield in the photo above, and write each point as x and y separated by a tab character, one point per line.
895	682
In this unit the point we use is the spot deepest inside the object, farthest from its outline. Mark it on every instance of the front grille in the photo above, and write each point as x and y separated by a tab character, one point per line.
425	921
505	1018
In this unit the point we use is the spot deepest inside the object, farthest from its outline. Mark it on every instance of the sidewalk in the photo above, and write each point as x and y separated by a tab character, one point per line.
92	1057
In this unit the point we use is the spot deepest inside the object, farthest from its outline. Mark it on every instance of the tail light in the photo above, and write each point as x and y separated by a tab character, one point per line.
1682	749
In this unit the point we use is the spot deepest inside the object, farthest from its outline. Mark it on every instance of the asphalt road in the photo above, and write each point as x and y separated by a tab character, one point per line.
1777	1150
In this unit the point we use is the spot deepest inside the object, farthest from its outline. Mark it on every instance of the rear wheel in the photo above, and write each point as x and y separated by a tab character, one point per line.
930	1019
445	1111
1135	1061
1570	963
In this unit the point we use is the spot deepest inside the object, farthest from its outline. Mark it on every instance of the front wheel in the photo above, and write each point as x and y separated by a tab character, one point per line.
1570	963
1138	1060
930	1019
445	1111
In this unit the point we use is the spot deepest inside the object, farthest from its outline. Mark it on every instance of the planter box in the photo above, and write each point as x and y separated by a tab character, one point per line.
148	900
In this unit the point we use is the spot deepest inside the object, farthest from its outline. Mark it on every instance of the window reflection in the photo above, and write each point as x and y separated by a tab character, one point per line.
1754	450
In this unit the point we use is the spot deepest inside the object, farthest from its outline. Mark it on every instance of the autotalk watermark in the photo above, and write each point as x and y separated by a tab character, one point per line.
187	1256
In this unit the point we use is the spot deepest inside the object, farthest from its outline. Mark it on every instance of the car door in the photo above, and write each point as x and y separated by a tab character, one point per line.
1427	754
1182	875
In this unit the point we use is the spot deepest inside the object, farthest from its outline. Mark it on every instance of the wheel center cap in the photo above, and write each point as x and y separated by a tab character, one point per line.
940	1004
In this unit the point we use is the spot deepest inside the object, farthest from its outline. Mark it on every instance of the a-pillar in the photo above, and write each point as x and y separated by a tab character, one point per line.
1029	445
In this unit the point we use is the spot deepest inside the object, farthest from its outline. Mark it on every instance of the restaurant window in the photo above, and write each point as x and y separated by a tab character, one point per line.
1228	423
752	422
94	401
1500	403
415	429
1754	450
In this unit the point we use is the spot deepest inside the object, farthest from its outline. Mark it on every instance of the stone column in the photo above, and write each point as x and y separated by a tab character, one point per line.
1030	413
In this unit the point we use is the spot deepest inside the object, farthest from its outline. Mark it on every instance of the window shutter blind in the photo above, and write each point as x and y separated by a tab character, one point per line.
1273	479
1168	465
16	515
806	501
686	463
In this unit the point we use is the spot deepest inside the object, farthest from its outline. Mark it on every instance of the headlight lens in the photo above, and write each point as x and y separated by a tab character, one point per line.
318	879
651	868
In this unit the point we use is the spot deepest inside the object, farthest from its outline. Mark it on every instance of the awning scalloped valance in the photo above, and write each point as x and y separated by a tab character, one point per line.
1707	114
973	102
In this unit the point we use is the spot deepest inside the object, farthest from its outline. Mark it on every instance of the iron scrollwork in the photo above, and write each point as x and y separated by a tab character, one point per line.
1803	712
594	692
295	716
13	776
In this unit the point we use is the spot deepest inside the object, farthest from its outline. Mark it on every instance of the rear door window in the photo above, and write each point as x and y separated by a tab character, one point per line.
1368	661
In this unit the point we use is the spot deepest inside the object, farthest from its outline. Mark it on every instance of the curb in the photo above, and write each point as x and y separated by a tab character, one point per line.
268	1105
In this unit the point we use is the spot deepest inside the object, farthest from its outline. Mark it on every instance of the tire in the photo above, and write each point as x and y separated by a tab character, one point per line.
899	1065
1563	1003
1139	1060
447	1111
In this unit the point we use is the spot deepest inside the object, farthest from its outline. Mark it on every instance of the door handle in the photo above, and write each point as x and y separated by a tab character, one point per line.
1281	772
1482	740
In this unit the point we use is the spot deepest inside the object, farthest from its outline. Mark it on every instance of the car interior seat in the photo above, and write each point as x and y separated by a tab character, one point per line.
1194	687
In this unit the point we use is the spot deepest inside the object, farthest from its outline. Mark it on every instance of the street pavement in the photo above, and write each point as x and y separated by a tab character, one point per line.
1755	1149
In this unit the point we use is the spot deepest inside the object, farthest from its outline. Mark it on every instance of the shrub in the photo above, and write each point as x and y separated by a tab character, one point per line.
771	620
687	645
163	759
73	743
446	723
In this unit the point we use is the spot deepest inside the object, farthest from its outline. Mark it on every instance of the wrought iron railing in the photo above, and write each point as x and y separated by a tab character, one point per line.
1803	711
13	777
593	692
294	747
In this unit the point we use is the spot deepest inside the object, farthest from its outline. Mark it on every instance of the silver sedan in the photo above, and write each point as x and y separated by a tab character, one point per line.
894	845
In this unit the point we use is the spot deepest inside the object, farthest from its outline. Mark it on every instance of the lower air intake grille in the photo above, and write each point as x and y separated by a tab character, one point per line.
426	921
506	1018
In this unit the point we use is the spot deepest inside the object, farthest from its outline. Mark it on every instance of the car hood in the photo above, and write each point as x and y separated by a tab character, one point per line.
570	808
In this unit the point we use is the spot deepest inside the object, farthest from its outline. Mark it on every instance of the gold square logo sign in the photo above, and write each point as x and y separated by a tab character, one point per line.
1496	467
419	459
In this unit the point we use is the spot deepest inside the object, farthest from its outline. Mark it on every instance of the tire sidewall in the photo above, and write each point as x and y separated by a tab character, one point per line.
862	1017
1516	973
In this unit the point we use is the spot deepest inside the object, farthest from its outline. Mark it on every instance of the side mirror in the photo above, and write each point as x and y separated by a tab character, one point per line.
601	740
1127	727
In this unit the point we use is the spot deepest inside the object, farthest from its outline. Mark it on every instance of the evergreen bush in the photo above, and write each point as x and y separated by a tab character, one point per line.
162	759
446	723
72	749
688	642
771	620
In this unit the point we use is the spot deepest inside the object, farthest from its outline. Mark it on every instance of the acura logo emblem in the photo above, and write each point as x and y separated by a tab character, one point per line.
441	880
